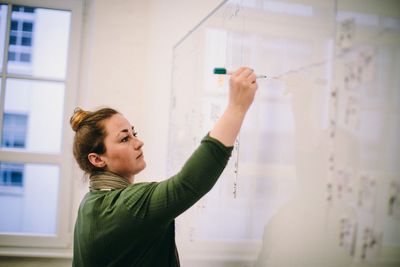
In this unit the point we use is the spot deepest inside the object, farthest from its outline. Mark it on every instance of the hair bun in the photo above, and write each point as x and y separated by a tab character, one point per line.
77	118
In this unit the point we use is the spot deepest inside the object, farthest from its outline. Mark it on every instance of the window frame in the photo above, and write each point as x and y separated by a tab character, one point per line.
60	244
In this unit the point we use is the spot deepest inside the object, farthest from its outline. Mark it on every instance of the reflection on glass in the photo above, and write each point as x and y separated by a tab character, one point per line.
28	198
3	24
38	42
32	118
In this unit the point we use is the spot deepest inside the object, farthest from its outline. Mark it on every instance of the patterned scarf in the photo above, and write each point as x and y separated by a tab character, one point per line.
107	181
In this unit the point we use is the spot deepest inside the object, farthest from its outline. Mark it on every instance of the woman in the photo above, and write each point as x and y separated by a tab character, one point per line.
122	223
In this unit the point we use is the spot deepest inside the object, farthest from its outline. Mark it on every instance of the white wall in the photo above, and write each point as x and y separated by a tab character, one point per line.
127	59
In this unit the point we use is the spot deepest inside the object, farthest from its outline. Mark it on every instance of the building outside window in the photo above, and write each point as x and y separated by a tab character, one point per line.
14	130
21	34
14	136
11	174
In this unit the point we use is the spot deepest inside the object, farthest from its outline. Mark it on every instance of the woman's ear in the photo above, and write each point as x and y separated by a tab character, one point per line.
96	160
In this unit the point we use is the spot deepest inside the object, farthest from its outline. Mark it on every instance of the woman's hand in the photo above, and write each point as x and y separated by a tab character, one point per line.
242	88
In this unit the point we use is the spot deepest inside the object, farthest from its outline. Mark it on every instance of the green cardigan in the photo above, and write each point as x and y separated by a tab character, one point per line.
134	226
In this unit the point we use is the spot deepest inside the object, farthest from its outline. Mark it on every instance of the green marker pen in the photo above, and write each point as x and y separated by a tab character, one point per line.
223	71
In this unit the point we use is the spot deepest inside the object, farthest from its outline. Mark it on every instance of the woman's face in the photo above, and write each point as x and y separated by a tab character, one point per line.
124	155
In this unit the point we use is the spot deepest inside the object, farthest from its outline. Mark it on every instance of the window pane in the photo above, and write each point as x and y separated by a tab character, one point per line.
3	25
40	42
14	25
15	128
26	41
11	174
29	9
13	40
11	56
29	115
27	26
25	57
28	198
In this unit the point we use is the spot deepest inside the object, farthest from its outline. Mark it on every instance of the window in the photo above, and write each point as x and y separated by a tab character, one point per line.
21	34
11	174
14	135
14	130
39	46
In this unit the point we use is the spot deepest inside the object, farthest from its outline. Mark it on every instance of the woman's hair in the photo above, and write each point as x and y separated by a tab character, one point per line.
89	135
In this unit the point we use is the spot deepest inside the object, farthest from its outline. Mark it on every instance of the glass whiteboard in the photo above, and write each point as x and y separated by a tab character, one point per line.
314	178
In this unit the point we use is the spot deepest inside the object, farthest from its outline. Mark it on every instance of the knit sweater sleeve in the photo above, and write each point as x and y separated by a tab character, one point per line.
173	196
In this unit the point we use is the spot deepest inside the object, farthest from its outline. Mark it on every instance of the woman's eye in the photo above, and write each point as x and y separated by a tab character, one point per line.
135	134
125	139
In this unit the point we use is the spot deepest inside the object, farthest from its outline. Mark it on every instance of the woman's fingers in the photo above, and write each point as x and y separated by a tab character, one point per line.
239	71
245	73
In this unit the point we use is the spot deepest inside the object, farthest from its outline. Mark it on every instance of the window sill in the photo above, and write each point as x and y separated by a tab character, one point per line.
60	253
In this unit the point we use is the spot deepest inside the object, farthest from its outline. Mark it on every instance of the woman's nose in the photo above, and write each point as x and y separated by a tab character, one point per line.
138	143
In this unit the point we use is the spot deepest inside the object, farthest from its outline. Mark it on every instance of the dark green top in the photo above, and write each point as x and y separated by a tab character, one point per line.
134	226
